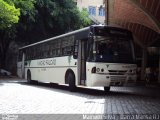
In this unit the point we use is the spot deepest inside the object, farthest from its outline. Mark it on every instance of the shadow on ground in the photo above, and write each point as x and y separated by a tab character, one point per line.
136	90
120	91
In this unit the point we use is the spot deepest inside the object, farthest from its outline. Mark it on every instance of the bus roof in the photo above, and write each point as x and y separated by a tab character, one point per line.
81	32
56	37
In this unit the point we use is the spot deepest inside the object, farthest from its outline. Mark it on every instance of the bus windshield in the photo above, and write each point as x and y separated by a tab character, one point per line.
113	49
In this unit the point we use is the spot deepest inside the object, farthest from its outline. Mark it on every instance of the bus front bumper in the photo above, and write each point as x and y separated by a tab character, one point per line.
106	80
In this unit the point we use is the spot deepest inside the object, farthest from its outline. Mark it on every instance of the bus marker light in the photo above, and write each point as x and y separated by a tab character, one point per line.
98	69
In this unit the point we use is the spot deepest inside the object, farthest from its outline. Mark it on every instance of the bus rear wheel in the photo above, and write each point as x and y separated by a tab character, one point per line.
106	89
29	77
71	79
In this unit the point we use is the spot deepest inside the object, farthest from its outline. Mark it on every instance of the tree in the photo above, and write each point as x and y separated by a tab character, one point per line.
11	13
9	16
52	17
40	19
84	19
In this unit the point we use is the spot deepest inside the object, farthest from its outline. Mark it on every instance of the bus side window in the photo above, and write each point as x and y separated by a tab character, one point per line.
75	49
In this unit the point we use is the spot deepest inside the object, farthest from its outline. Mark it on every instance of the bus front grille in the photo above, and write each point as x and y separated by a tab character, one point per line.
117	78
117	72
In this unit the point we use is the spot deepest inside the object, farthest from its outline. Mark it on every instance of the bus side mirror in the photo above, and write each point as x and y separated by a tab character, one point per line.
75	56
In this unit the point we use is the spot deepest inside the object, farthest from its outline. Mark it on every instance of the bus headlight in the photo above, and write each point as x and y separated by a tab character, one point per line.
98	69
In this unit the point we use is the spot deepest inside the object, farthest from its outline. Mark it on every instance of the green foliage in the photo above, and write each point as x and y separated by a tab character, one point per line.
59	14
84	18
9	15
41	19
45	17
52	17
37	20
27	8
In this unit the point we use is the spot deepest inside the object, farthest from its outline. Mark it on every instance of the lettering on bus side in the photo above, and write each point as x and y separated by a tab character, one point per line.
47	62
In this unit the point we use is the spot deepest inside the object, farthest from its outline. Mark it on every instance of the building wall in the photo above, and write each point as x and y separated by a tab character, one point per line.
97	4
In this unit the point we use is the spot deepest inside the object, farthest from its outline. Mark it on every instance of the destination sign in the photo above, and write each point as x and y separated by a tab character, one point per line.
47	62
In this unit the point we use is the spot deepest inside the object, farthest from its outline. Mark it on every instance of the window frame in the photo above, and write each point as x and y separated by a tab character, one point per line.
101	11
92	10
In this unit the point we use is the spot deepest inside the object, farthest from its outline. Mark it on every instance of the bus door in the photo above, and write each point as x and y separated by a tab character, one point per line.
82	62
23	66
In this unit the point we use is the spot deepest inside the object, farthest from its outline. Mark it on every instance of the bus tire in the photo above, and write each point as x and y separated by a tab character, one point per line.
29	77
71	79
106	89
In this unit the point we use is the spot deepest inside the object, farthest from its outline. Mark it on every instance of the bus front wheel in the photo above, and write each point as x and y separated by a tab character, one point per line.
71	79
106	89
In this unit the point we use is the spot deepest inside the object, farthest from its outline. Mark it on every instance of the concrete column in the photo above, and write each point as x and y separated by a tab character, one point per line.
144	63
109	6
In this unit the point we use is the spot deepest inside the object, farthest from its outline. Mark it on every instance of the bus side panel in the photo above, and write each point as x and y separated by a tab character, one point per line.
51	69
94	79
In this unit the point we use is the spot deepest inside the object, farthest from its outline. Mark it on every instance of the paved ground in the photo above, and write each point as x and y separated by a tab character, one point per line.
18	97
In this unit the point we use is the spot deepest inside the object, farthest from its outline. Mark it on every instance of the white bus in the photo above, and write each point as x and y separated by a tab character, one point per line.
93	56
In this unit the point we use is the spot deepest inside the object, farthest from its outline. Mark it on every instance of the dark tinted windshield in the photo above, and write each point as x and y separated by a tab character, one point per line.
113	49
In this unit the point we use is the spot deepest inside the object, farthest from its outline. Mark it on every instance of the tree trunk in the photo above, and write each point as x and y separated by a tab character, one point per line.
4	45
